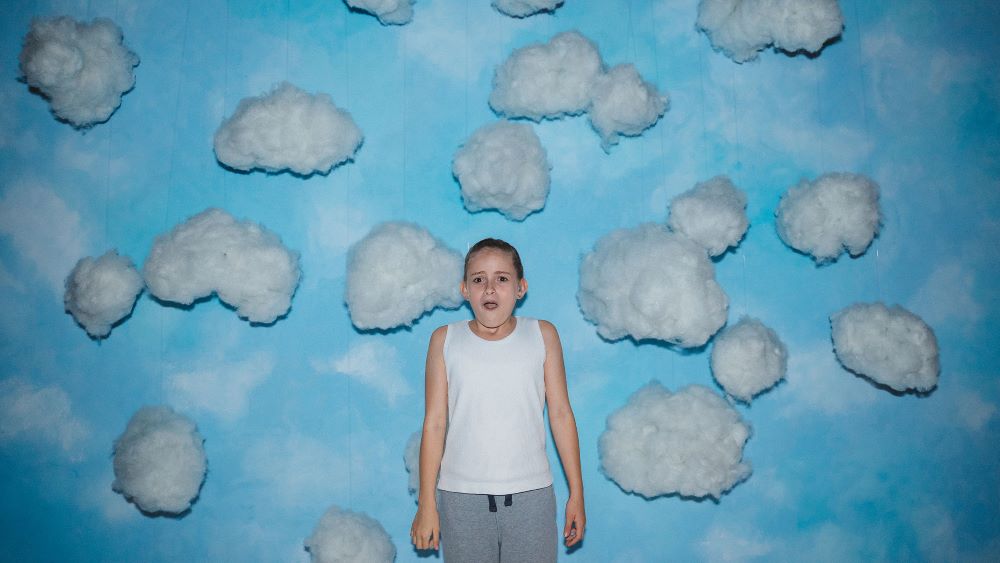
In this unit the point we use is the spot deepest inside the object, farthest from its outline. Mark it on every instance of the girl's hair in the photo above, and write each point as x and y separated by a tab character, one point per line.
496	244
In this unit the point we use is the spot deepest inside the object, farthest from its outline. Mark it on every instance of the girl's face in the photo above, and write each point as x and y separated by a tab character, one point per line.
491	287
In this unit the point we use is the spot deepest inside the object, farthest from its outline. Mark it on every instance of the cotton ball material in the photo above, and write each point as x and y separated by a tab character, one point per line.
624	104
889	345
741	28
547	80
713	214
82	68
824	217
411	458
287	129
159	461
524	8
246	265
398	272
101	292
688	443
748	358
648	283
504	167
344	536
389	12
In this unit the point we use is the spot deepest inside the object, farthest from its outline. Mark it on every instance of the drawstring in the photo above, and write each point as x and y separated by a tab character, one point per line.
508	500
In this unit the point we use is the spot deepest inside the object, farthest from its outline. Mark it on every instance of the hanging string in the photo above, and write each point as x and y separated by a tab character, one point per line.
225	106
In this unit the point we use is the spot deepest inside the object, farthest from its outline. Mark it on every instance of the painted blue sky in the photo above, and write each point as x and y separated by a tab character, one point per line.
842	470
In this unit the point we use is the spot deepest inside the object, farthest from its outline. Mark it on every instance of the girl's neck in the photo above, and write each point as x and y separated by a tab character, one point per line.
494	333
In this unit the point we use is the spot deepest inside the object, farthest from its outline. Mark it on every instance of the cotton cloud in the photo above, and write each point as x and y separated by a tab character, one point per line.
222	389
30	413
411	459
824	217
159	461
748	358
101	292
713	214
246	265
396	273
287	129
741	28
373	363
389	12
688	443
82	68
503	166
649	283
889	345
524	8
622	103
547	80
343	535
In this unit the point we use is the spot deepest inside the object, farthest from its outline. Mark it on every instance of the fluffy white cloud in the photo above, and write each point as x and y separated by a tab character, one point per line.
246	265
389	12
622	103
82	68
223	389
824	217
503	166
688	443
547	80
342	536
748	358
373	363
396	273
889	345
101	292
411	459
159	461
649	283
713	214
523	8
287	129
38	414
741	28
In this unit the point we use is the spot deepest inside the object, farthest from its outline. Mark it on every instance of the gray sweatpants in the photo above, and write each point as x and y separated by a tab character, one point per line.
524	532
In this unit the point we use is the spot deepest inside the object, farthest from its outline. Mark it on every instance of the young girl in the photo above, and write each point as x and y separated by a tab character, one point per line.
487	382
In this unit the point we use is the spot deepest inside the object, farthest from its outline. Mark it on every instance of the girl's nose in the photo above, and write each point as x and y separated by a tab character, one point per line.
490	288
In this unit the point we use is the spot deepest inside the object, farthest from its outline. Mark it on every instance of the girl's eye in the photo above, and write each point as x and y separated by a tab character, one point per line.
477	280
503	278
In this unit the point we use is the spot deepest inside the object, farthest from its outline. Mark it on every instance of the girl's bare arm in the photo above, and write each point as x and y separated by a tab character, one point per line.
426	530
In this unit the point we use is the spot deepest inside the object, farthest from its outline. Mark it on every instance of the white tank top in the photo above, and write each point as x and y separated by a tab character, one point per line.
496	394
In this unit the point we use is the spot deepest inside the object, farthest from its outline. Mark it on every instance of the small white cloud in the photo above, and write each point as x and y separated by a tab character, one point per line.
246	265
40	415
220	388
622	103
295	469
159	461
389	12
713	214
287	129
722	543
101	292
398	272
503	166
688	443
373	363
82	68
748	358
889	345
836	212
343	535
524	8
649	283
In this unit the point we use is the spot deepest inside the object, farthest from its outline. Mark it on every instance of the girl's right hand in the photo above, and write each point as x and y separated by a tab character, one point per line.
426	530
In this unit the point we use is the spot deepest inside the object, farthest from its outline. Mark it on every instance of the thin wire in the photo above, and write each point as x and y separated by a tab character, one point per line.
225	96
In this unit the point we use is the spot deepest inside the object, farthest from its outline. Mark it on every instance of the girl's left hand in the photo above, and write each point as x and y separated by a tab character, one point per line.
576	521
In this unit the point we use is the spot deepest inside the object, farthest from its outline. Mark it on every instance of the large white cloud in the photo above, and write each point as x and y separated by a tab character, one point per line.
222	388
503	166
547	80
648	283
36	414
374	363
82	68
159	461
748	358
688	443
396	273
246	265
389	12
524	8
343	536
741	28
888	345
622	103
713	214
822	218
411	459
101	292
287	129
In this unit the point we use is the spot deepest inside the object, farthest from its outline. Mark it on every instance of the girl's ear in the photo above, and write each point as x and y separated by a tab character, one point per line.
463	289
522	288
